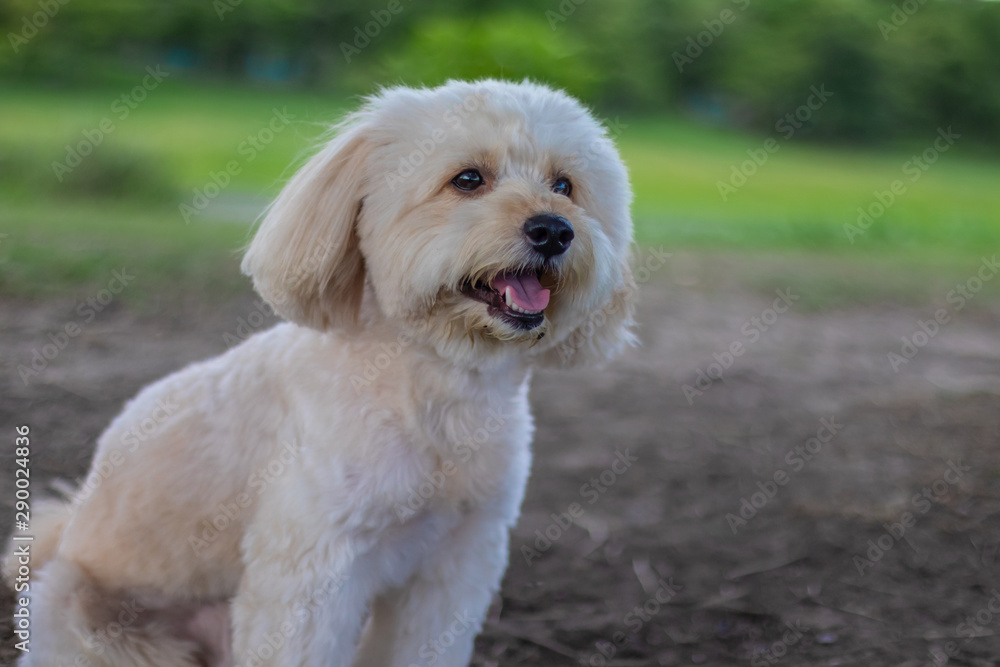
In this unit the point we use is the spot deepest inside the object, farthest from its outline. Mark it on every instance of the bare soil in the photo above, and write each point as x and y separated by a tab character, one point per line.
760	522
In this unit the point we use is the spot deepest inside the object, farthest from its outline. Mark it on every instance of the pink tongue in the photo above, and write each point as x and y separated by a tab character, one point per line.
525	291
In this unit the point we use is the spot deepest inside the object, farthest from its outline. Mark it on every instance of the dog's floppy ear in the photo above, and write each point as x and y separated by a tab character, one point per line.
304	259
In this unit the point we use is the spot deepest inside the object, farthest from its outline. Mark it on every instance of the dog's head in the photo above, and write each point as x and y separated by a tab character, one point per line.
484	219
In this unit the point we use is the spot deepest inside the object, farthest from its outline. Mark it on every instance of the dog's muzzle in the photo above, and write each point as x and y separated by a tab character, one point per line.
515	296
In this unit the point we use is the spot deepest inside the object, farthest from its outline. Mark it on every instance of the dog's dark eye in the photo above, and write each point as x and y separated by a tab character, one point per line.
468	180
562	186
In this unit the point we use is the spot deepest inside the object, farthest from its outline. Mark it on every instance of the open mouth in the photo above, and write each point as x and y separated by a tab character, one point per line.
515	297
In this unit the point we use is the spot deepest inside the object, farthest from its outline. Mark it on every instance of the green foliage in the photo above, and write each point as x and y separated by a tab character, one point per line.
899	69
511	46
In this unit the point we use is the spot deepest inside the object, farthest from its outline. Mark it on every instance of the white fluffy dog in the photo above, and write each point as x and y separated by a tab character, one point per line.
338	490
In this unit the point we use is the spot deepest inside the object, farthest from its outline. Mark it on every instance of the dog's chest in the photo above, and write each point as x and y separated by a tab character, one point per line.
475	454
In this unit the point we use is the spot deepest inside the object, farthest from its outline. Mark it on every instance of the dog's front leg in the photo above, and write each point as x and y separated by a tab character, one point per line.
434	618
309	615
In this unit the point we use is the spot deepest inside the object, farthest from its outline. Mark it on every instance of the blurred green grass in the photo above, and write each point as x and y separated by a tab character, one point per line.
804	194
60	239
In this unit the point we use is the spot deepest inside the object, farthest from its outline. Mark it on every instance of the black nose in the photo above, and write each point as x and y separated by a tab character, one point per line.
549	234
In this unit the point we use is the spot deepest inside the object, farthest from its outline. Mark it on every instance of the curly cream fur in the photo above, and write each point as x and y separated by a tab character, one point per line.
178	551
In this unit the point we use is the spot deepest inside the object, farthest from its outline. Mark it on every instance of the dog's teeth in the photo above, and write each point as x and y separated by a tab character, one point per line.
509	300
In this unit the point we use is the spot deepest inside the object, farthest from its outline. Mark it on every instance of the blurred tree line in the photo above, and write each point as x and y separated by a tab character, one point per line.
897	69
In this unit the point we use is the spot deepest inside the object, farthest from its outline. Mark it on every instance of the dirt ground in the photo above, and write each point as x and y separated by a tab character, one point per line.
812	505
